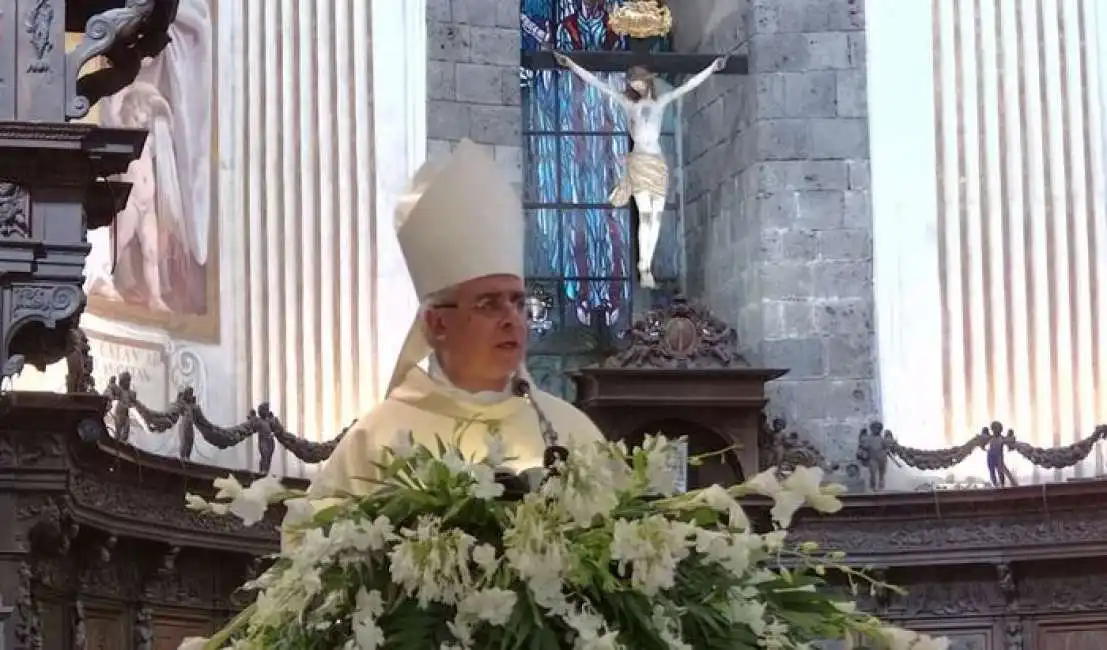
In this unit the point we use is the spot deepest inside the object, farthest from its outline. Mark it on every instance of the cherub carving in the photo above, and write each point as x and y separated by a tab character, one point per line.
873	447
646	179
998	471
119	391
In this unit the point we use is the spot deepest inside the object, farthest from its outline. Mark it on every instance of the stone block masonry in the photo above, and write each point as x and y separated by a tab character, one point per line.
473	78
778	208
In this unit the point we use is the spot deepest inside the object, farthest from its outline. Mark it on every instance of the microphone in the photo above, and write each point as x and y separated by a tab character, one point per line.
554	452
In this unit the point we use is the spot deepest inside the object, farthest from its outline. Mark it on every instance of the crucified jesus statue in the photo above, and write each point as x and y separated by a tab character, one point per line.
646	178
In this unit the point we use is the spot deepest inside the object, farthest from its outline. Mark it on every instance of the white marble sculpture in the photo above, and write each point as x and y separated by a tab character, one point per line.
646	178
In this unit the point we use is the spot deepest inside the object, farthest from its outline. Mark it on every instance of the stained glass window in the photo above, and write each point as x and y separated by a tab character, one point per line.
580	249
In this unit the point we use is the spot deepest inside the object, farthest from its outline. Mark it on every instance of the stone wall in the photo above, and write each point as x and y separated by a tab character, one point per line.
473	78
778	207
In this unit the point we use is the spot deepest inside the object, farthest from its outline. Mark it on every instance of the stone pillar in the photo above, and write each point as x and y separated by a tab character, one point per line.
473	78
776	181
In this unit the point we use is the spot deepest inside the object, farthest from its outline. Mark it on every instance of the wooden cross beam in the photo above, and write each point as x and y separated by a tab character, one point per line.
658	62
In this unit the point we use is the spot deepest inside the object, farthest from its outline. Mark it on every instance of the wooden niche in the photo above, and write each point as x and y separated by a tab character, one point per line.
682	375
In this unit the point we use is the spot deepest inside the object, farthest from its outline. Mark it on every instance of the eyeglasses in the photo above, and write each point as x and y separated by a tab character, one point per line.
492	306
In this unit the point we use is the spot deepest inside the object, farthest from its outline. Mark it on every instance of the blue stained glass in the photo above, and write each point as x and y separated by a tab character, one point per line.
540	178
584	108
582	25
543	257
536	24
586	300
540	102
596	243
591	166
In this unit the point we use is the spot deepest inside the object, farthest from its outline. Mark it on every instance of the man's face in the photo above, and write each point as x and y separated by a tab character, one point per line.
481	334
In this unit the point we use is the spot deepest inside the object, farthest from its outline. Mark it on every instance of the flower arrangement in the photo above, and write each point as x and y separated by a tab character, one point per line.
604	555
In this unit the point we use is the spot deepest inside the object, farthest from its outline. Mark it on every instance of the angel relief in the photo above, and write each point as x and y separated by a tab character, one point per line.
186	414
156	254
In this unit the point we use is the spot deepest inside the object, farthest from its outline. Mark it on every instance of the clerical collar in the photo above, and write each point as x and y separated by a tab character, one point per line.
434	370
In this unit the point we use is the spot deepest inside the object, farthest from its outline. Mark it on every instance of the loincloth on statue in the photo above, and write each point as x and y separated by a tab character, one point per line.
645	173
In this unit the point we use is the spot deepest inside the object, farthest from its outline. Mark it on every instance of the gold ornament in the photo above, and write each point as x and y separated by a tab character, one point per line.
641	19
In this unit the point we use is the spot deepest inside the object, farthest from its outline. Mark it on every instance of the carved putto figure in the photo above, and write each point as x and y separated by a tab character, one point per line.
873	452
119	391
787	451
998	471
646	177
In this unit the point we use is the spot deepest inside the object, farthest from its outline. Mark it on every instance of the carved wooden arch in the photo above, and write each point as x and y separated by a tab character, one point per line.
704	437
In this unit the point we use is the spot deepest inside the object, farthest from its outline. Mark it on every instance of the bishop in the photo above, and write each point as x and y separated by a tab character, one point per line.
461	230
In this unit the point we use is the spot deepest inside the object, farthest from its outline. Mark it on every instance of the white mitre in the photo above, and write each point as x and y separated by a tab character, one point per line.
459	220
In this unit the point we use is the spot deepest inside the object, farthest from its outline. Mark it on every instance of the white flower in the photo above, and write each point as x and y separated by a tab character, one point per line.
775	636
403	444
462	631
361	536
369	605
590	482
651	548
192	643
774	540
608	641
719	499
592	631
495	450
227	487
492	605
668	628
807	482
785	502
734	552
197	503
900	639
432	565
484	484
484	555
536	551
297	513
368	635
750	613
250	503
454	461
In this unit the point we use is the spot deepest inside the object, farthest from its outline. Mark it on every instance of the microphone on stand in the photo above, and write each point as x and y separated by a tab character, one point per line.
555	452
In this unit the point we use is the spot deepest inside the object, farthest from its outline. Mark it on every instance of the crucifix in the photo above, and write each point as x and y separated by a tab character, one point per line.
645	177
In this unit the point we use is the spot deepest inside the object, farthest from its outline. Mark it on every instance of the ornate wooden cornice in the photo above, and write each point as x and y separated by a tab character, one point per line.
1053	521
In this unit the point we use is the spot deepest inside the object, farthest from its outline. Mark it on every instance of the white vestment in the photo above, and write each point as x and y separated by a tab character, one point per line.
429	409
